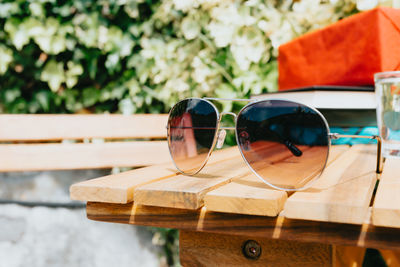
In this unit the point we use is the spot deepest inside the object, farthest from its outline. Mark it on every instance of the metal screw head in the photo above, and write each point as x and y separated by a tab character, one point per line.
251	249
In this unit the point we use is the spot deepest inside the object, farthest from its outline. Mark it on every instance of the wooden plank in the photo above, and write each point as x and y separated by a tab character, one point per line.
345	256
208	249
386	210
246	195
392	258
119	188
342	194
249	195
187	192
56	127
32	157
248	225
278	163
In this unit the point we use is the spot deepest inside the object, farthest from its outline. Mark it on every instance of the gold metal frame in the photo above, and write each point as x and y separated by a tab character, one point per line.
379	159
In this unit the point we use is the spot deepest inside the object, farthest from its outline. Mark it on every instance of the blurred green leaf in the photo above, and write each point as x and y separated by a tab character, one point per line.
53	74
8	9
126	106
90	96
10	95
43	99
6	57
73	73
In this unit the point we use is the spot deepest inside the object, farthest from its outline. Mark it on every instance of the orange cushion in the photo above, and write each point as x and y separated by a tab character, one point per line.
347	52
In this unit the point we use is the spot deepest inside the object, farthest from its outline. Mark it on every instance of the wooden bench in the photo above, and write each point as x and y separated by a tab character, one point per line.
227	217
49	230
65	142
69	142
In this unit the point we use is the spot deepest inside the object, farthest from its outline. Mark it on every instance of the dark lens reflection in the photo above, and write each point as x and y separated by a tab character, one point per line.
285	143
192	126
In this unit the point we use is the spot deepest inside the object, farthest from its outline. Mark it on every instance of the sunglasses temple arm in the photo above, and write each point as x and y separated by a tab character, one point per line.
379	163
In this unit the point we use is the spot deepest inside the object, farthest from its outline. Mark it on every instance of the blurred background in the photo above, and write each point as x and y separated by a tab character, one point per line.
128	56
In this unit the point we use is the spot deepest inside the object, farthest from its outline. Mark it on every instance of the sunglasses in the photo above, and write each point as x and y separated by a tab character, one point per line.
286	144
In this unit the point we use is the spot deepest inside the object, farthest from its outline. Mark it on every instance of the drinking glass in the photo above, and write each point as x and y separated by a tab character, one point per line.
387	89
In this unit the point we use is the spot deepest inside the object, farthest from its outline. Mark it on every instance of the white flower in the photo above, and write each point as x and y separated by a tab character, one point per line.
185	5
36	9
103	36
190	28
222	33
226	13
247	47
306	5
7	9
200	74
245	16
272	19
208	4
177	85
281	35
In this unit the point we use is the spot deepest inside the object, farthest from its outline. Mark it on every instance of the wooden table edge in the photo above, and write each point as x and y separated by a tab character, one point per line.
365	235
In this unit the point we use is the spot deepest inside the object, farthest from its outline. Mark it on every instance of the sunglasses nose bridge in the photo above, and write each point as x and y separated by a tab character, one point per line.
227	113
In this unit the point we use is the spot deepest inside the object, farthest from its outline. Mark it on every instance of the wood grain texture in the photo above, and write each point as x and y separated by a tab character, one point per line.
249	195
246	195
342	194
386	209
344	256
285	170
32	157
392	258
119	188
187	192
208	249
248	225
56	127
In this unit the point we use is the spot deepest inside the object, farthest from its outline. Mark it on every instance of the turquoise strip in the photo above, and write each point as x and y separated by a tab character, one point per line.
355	131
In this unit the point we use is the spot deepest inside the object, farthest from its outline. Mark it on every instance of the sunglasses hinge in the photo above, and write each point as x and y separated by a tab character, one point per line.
334	136
228	113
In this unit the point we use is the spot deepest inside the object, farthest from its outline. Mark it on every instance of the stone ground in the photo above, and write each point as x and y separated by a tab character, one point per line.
44	236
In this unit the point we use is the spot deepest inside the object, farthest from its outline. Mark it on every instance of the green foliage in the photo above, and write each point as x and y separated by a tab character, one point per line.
134	56
127	56
169	240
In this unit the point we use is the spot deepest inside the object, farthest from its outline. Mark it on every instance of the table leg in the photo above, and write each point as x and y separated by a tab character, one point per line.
207	249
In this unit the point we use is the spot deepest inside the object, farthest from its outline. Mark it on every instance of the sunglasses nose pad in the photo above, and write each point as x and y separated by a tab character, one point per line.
244	140
221	138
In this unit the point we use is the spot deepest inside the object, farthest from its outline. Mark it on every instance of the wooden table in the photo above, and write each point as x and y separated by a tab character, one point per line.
226	216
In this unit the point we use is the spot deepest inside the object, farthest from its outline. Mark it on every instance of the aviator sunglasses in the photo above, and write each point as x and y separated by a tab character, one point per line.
286	144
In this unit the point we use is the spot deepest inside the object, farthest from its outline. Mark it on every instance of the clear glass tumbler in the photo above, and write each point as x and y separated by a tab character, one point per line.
387	89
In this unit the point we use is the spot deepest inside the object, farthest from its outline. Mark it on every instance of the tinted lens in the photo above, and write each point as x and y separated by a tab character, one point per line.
285	143
192	126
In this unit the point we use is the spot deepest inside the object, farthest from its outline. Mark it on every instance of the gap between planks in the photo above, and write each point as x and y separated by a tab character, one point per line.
119	188
190	192
342	194
249	195
386	208
187	192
